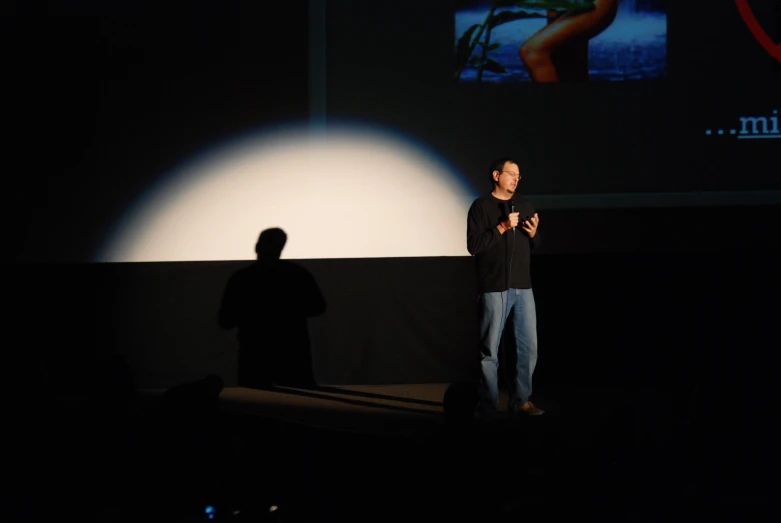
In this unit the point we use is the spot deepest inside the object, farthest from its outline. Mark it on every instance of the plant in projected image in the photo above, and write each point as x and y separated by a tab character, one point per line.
480	34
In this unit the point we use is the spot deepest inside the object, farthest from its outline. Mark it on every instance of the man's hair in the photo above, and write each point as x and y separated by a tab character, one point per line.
498	165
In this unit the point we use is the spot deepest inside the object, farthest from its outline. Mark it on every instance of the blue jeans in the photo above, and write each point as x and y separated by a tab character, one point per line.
495	308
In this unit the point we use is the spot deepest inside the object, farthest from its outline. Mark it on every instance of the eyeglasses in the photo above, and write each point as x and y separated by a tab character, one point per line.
513	173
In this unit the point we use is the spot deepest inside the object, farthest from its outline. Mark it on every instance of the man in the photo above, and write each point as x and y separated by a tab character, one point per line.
269	302
501	232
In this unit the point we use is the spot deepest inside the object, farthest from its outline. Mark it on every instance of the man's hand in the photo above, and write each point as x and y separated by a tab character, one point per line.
530	225
512	220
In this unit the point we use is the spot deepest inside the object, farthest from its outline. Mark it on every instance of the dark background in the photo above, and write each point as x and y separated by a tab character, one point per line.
106	98
103	98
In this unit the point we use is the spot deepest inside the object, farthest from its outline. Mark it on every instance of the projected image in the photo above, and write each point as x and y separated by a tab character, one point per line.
504	41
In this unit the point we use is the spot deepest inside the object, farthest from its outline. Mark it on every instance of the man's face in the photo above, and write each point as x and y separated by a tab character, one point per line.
507	179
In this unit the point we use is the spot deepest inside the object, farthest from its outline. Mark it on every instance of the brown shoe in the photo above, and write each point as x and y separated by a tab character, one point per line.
529	409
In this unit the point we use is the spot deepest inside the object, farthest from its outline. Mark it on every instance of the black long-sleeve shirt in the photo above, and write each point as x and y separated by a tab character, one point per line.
495	252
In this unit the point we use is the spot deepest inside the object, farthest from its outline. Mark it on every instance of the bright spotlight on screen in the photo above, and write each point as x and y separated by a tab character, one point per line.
342	192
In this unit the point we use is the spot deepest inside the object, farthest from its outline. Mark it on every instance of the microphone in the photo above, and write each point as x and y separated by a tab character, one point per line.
512	209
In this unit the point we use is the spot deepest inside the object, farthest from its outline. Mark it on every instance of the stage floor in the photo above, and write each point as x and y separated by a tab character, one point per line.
367	409
410	409
379	409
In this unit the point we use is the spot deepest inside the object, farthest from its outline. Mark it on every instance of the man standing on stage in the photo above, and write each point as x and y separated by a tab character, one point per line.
502	254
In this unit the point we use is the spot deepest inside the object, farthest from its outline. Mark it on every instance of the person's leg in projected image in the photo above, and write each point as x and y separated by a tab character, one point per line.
572	29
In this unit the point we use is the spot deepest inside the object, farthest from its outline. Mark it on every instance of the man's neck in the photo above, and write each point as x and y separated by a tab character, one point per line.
502	195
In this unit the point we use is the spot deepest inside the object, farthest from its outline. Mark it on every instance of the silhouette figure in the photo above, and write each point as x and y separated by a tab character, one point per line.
269	303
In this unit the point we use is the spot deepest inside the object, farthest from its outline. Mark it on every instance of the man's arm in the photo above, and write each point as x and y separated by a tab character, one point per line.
535	241
480	234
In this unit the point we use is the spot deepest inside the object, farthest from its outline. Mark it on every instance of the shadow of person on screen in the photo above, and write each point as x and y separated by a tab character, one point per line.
269	303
